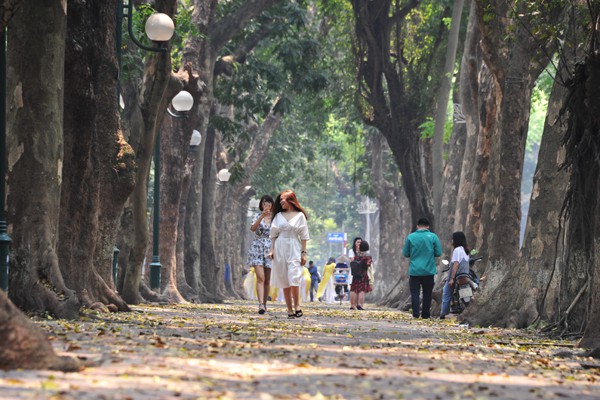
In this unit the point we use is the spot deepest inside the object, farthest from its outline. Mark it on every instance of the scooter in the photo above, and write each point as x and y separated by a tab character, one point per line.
465	284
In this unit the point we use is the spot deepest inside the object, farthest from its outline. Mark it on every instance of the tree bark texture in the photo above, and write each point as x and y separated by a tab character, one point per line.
394	224
35	150
514	66
582	143
471	74
23	345
442	105
99	166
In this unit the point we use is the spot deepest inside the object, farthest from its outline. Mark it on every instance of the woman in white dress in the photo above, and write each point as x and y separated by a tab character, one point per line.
289	234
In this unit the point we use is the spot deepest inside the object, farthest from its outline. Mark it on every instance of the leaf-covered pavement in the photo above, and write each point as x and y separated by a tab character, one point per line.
228	351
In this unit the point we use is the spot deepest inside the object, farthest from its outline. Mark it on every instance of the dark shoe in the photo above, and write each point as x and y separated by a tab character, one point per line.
291	316
359	307
442	317
352	308
298	313
261	309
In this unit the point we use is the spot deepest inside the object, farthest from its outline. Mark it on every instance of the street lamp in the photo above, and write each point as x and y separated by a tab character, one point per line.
182	103
223	176
5	240
195	140
159	29
367	207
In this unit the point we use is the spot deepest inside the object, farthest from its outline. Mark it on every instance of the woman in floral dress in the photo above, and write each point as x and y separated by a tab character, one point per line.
258	255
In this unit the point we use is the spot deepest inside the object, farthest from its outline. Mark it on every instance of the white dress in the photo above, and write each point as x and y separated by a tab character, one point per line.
286	269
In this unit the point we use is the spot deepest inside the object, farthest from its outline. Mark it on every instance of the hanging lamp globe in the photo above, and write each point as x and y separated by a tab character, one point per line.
159	27
183	101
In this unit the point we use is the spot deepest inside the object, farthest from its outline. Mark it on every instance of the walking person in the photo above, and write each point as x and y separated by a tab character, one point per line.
258	255
460	254
422	246
314	279
326	281
289	234
362	276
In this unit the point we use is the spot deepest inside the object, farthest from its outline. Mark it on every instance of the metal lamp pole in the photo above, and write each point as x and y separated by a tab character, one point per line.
5	240
367	207
159	28
182	103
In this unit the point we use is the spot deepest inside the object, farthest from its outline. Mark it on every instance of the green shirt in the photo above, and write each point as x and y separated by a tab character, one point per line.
422	246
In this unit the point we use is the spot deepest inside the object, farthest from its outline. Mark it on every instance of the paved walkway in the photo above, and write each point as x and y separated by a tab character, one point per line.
228	351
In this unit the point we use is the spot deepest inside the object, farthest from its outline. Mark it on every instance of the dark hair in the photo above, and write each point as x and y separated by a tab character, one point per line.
265	198
356	239
423	222
310	262
459	239
331	260
291	198
364	246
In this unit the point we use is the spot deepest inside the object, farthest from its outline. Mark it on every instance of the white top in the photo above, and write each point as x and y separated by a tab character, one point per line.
458	255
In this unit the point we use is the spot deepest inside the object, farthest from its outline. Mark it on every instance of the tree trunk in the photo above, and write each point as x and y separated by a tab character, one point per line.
392	109
514	66
394	222
442	104
99	167
36	73
144	115
23	345
470	69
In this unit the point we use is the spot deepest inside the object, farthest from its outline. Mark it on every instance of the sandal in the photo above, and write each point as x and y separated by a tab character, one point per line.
299	313
291	316
261	309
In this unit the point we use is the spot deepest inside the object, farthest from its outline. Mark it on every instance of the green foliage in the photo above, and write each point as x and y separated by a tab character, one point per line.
428	128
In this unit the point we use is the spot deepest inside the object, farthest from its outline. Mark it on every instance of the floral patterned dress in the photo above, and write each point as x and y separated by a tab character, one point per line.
258	255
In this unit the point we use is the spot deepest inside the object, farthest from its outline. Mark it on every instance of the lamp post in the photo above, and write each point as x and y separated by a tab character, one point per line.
159	29
115	266
181	103
5	240
367	207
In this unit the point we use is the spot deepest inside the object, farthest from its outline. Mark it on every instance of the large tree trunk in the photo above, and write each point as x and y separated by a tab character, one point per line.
442	105
514	67
36	73
394	225
99	167
24	345
144	113
583	154
472	162
530	290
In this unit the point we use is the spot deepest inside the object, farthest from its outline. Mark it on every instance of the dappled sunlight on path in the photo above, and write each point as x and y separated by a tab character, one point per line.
228	351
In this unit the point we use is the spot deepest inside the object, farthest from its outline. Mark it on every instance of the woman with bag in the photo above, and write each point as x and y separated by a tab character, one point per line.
362	276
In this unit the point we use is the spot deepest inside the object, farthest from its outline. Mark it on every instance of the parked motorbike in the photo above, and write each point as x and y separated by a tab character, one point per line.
466	283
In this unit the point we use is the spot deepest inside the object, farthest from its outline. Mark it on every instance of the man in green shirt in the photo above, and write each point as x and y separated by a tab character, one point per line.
422	246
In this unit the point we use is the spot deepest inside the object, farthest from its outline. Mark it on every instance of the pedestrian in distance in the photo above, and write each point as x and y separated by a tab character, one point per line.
362	276
258	254
325	279
289	235
459	254
422	246
314	279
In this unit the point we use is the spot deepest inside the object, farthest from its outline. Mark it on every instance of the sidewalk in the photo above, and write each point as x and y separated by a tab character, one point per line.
228	351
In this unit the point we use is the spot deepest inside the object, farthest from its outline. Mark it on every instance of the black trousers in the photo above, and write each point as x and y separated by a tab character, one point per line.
415	283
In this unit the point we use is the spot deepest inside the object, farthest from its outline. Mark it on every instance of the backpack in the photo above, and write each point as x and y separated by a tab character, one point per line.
356	269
